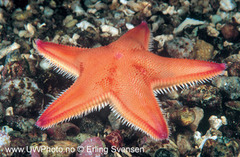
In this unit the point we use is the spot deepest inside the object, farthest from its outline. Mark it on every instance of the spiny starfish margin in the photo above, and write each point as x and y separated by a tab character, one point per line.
124	75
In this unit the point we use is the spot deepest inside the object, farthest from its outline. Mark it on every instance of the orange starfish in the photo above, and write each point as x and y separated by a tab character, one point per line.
123	74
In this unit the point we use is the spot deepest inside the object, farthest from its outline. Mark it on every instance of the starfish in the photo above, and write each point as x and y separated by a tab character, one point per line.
124	75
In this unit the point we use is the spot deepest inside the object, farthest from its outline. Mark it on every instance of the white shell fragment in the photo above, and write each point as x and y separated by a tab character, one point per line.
128	12
1	67
84	25
91	10
129	26
74	39
213	32
28	32
224	120
161	39
45	65
40	25
9	49
237	17
30	28
156	24
197	135
170	10
187	22
227	5
124	2
76	7
215	122
206	137
9	111
75	36
109	29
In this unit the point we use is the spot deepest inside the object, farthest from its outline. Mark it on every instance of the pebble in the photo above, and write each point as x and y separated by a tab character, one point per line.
234	69
81	137
221	147
114	139
25	125
5	142
159	148
100	6
216	19
2	112
23	94
2	17
61	131
183	143
203	50
234	105
69	22
7	3
183	116
53	4
91	125
163	152
21	15
233	58
14	70
199	114
48	12
206	96
230	32
230	85
179	47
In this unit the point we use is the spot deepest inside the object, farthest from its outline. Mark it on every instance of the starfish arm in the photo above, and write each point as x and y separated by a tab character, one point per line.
138	107
173	72
138	38
76	101
60	55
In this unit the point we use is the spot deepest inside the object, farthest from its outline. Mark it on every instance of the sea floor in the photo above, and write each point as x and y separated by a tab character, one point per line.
203	119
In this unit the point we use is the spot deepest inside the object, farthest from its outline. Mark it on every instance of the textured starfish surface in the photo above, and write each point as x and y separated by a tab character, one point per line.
124	75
